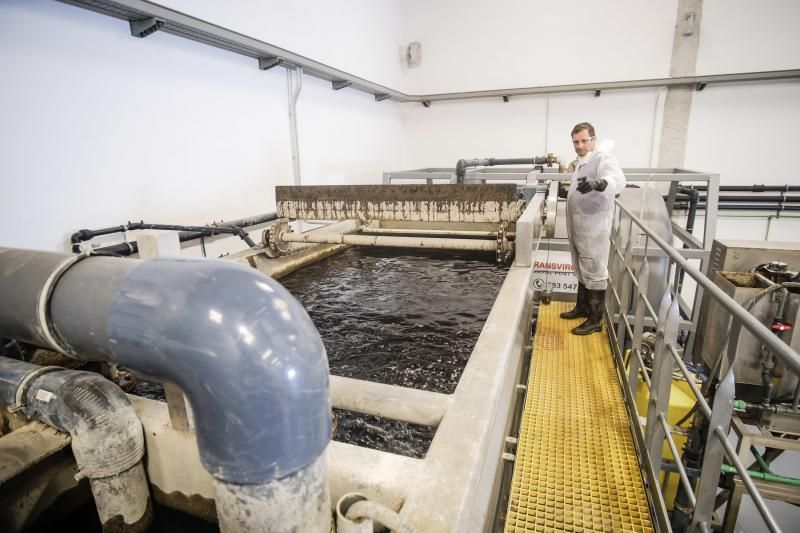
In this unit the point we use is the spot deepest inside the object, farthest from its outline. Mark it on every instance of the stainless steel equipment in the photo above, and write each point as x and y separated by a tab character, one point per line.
759	297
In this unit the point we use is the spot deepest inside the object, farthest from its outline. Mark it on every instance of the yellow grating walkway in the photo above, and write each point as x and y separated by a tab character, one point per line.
576	467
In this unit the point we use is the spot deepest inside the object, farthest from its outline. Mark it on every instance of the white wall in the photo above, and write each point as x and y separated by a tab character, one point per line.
361	37
747	36
471	45
101	128
448	131
739	131
743	132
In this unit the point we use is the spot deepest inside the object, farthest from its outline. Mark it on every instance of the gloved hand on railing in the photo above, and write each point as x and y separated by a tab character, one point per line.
591	184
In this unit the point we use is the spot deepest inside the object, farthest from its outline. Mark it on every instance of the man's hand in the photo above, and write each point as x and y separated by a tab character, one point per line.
591	184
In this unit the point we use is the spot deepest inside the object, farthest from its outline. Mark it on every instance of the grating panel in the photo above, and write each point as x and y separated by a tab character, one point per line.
576	466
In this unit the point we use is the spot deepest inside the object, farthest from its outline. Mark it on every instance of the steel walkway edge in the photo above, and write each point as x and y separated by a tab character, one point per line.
576	467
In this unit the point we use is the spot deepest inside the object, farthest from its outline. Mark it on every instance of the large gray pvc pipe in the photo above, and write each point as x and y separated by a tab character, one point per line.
241	348
106	435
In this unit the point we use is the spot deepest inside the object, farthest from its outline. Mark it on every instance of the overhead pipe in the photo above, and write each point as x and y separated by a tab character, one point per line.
240	347
106	435
752	188
187	233
744	207
463	164
751	198
756	198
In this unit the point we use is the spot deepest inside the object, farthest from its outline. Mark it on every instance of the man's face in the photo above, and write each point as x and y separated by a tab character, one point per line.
583	143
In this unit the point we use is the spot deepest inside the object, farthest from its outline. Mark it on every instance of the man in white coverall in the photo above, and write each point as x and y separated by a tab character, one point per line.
596	180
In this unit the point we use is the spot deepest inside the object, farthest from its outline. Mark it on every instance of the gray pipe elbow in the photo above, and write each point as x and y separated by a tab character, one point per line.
244	352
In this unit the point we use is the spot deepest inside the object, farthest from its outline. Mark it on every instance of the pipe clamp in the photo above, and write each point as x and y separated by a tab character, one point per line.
44	301
19	396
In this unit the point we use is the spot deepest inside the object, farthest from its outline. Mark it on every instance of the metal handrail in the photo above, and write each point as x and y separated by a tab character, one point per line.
647	305
759	330
758	500
717	446
706	409
678	463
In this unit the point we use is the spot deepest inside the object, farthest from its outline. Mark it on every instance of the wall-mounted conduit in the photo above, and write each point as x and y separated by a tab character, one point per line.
146	18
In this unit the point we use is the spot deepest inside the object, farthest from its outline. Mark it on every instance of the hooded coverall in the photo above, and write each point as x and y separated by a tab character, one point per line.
590	217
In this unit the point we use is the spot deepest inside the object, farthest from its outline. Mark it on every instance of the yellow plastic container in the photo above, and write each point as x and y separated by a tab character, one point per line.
681	400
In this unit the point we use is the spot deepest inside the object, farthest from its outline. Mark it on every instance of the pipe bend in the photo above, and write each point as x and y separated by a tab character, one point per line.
106	434
463	164
244	352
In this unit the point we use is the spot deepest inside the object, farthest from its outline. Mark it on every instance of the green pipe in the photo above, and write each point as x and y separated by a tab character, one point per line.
727	469
760	460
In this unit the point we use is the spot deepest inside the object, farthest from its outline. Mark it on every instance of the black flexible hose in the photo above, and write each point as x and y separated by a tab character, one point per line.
187	233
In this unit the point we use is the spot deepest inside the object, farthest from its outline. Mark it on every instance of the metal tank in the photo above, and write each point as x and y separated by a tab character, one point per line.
649	205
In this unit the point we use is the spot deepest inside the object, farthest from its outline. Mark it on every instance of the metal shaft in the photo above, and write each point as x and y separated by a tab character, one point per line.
391	242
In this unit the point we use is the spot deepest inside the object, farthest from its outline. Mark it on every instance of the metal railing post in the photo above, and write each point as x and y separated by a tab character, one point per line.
716	447
721	412
614	268
661	378
625	289
638	326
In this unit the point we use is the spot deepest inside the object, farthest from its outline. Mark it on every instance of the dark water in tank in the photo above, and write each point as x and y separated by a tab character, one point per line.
408	318
397	317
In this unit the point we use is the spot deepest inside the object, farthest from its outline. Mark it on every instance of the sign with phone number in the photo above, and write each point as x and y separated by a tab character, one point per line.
554	271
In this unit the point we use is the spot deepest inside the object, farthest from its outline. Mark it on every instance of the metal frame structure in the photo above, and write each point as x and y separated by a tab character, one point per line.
768	489
693	247
146	17
629	291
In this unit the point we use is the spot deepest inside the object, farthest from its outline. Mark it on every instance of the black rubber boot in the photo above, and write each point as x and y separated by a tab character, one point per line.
581	309
595	302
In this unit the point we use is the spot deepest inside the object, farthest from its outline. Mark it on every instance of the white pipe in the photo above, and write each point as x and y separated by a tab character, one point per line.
294	94
391	242
376	512
398	403
431	232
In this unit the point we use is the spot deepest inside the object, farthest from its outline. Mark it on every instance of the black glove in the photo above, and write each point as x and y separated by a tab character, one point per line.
585	185
563	189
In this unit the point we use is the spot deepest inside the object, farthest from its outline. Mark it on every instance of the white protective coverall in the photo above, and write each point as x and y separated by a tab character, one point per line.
590	217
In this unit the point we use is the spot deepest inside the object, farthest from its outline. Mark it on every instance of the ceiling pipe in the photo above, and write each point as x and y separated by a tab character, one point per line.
182	25
463	164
